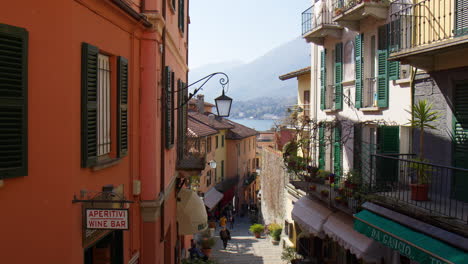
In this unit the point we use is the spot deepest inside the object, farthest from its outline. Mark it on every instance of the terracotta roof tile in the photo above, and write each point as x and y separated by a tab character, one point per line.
295	73
210	120
198	129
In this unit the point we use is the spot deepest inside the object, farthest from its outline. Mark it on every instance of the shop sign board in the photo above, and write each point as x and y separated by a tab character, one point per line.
108	219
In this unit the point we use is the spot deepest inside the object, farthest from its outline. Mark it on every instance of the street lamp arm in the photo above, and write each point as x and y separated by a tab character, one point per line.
223	81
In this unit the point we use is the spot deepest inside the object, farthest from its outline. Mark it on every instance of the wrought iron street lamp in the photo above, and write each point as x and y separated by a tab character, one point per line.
223	102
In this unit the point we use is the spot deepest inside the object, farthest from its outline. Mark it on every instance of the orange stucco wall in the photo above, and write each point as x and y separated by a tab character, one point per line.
40	222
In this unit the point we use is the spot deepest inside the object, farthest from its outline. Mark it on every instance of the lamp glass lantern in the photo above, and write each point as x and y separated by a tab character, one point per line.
223	105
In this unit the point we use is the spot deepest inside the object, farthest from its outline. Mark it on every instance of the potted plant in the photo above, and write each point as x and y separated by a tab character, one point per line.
338	199
206	244
275	233
256	229
422	116
324	193
313	187
290	255
338	11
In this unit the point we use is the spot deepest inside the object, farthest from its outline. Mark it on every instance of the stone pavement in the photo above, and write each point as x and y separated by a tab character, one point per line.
244	248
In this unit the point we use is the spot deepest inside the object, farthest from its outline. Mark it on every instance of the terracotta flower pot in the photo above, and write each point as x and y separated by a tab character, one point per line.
206	251
257	235
419	192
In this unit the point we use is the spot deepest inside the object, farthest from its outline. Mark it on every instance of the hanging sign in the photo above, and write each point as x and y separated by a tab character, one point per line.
110	219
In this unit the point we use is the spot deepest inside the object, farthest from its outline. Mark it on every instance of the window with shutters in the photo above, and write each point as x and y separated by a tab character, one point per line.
103	106
369	93
208	144
13	101
170	107
222	170
348	61
97	115
222	141
217	141
181	15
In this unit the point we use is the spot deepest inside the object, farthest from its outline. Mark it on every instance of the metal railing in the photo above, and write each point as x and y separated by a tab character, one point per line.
341	6
370	92
313	18
426	22
435	189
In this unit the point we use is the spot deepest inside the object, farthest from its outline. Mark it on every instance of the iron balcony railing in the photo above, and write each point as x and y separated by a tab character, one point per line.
426	22
314	17
330	97
370	92
434	189
341	6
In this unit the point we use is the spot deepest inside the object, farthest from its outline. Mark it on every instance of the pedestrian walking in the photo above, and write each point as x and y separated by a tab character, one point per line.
222	221
225	236
231	222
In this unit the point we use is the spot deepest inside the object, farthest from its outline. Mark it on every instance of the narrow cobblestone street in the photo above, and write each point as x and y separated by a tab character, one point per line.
245	248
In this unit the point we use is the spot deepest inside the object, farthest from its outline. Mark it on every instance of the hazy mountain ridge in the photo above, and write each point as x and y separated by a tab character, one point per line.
258	78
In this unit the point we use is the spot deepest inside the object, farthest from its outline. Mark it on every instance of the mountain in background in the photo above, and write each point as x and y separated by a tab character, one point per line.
258	78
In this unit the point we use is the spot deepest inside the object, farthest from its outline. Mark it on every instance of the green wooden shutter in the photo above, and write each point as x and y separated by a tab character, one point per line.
337	152
89	99
323	78
181	15
359	69
122	107
169	108
461	17
393	45
382	73
460	141
338	76
321	148
13	101
389	139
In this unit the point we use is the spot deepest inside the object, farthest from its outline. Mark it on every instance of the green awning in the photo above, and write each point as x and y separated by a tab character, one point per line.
410	243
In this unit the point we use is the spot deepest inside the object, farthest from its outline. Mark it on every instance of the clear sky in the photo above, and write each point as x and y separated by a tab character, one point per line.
241	30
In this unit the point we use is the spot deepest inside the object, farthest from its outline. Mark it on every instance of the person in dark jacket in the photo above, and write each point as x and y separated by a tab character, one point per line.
225	236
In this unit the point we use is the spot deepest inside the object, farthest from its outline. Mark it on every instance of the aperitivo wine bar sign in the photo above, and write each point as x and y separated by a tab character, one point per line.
111	219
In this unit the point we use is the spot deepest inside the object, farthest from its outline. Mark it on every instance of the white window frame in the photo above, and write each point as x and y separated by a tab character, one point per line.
103	107
369	92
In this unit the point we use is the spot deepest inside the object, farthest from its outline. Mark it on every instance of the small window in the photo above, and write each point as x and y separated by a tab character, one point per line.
217	143
208	144
222	170
222	141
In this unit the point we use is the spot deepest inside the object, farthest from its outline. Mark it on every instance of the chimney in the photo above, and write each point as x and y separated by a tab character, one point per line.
201	103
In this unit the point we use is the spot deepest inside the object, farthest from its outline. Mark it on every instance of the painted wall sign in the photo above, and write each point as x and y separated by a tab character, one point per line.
110	219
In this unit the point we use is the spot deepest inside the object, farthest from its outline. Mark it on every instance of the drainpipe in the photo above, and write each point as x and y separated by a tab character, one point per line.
163	105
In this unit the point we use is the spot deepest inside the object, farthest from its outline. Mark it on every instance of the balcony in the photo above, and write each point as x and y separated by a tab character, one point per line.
330	98
421	188
370	93
349	13
317	24
431	34
344	196
191	157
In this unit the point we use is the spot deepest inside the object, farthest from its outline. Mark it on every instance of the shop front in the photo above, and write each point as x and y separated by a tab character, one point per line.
326	236
415	246
104	219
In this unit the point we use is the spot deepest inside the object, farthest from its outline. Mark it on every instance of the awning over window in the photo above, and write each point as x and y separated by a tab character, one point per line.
339	227
191	213
212	198
310	216
408	242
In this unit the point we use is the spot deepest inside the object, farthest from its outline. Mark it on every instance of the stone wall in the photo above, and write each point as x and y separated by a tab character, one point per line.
437	145
273	181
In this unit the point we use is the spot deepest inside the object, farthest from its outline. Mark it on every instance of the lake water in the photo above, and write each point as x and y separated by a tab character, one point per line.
259	125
